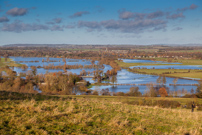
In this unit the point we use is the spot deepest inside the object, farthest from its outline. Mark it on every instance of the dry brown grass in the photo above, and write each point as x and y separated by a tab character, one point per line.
93	116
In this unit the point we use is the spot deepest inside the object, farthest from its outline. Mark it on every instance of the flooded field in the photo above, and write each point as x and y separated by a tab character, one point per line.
123	76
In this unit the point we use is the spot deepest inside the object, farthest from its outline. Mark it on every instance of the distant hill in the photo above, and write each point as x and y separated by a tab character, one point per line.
93	45
36	45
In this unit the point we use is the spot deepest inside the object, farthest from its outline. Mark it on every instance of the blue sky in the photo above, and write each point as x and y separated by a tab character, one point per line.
137	22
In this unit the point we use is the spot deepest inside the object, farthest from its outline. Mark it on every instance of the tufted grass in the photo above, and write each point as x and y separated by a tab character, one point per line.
93	116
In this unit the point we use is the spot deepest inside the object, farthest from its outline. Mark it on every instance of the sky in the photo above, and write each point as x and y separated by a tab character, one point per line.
136	22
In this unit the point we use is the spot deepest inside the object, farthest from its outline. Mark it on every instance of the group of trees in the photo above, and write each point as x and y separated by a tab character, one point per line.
11	82
60	83
77	66
150	92
161	80
52	83
154	90
24	67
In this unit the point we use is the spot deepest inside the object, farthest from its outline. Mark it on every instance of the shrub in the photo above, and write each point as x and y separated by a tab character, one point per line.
95	92
189	104
199	107
160	103
151	91
167	103
120	94
134	91
105	92
189	96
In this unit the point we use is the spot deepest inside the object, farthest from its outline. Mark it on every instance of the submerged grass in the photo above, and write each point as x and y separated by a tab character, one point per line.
93	116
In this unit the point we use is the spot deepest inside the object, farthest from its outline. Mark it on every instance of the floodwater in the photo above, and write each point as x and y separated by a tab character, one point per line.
56	62
145	61
123	76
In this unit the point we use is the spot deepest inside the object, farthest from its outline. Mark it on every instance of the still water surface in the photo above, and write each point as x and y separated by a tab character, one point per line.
145	61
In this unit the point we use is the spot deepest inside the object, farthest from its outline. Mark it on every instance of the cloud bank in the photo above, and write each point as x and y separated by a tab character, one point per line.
19	26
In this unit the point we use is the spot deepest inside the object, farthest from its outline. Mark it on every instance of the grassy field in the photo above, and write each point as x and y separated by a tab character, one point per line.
9	62
92	115
191	74
125	65
184	62
172	72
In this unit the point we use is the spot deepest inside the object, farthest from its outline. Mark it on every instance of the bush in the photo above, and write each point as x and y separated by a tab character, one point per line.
151	91
189	104
134	91
95	92
167	103
105	92
199	107
160	103
5	95
120	94
189	96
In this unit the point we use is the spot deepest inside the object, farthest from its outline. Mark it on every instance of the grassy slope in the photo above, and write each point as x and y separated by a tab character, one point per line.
91	115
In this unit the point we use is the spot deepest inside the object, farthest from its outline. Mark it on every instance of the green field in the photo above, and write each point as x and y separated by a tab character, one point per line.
9	62
171	72
125	65
184	62
92	115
